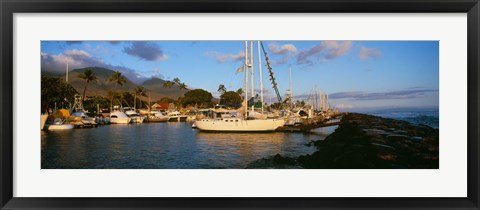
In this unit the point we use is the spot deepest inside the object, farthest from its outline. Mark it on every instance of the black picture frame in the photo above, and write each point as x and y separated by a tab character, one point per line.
10	7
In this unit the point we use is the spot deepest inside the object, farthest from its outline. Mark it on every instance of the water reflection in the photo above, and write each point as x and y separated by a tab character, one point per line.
167	145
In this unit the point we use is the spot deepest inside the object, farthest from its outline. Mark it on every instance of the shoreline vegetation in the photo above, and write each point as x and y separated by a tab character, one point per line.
364	141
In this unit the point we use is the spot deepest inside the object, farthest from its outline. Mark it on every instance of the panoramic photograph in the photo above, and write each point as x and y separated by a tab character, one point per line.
239	104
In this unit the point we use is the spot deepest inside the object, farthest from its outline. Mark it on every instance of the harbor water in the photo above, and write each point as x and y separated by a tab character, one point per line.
172	145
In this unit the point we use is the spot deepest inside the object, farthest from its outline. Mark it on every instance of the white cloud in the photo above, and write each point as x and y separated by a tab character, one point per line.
344	106
366	53
282	49
76	59
222	58
323	52
337	48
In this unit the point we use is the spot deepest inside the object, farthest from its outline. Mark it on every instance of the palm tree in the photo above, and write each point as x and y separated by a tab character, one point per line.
88	76
118	79
176	80
240	91
167	84
182	86
141	91
222	89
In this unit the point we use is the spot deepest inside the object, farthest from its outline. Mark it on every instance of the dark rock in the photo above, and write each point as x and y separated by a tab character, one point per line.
366	142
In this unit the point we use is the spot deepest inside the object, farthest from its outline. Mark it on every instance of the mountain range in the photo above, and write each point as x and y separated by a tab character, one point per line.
101	87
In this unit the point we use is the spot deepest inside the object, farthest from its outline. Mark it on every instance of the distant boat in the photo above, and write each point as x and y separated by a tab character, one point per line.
118	117
156	116
59	124
176	116
43	120
80	117
134	116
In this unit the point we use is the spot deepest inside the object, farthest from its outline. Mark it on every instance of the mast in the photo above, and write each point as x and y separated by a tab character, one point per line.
251	72
260	70
246	79
291	93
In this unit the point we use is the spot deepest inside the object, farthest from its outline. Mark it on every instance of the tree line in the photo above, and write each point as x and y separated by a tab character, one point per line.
56	92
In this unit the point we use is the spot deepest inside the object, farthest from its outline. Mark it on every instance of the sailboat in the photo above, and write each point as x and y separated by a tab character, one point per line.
235	123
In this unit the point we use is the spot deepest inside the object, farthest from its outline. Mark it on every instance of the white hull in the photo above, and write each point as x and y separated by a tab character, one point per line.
239	125
43	119
137	119
118	117
60	127
158	119
120	120
81	119
177	119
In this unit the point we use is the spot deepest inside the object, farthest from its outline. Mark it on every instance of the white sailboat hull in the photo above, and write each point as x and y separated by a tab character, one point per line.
239	125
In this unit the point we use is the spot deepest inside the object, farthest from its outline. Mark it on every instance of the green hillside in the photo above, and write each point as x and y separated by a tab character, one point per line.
102	86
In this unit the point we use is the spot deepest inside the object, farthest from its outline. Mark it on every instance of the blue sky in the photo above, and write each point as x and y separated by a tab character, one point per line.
355	74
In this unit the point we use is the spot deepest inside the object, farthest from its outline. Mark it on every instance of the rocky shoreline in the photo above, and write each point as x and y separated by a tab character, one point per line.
367	142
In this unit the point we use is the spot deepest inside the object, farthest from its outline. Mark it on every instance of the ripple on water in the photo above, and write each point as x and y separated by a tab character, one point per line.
167	145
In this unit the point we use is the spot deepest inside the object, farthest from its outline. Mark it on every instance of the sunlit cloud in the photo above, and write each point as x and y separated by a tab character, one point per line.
344	106
156	74
282	49
367	53
76	59
222	57
323	52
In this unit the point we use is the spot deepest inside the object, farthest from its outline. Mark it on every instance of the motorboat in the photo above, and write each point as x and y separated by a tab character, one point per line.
134	116
118	117
43	120
156	116
176	116
80	118
59	124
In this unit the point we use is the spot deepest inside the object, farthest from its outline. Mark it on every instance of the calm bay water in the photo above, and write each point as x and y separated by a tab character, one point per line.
167	145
